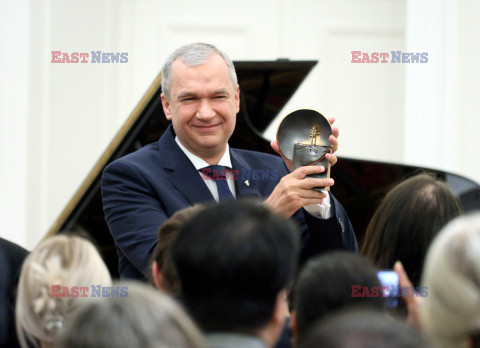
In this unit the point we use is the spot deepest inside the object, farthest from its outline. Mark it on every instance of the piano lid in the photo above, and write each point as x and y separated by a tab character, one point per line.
265	88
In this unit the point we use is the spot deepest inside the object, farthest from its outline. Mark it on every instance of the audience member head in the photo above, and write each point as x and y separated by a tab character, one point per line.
143	318
406	222
164	275
235	261
450	314
11	260
194	54
69	261
362	329
326	284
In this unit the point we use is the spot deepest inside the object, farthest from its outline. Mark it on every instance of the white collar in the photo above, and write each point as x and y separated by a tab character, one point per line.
199	162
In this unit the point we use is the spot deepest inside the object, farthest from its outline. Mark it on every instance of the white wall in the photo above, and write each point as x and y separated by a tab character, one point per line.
467	120
442	98
66	114
14	51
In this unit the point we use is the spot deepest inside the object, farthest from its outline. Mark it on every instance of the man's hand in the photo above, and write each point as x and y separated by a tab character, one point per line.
333	140
294	191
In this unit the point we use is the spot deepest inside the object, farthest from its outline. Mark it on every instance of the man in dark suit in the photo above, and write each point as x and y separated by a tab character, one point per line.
201	98
11	259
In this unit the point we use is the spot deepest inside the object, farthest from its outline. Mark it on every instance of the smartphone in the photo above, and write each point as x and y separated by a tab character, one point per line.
390	288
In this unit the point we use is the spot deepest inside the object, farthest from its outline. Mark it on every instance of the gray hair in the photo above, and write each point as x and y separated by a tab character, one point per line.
194	54
145	317
60	260
451	311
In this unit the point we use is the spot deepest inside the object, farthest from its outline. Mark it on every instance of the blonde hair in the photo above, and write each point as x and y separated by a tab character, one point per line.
145	317
60	260
451	312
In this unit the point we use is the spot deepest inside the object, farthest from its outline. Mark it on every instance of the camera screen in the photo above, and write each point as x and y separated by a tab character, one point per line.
389	281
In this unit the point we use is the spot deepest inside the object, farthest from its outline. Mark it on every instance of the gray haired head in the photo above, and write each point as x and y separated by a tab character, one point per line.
194	54
144	317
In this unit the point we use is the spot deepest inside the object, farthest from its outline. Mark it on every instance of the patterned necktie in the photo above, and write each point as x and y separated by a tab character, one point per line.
218	173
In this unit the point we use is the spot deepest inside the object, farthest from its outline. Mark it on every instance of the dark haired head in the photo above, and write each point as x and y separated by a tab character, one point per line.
233	260
362	329
166	234
406	222
325	285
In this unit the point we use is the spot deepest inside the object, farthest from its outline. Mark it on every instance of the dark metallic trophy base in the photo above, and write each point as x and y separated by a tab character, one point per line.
312	155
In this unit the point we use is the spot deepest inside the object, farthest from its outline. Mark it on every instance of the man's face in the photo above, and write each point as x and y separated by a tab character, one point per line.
203	106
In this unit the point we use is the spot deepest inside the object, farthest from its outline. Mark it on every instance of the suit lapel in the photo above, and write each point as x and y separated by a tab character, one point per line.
188	181
183	175
244	185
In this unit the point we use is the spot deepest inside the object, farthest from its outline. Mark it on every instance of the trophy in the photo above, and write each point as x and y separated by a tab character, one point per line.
303	138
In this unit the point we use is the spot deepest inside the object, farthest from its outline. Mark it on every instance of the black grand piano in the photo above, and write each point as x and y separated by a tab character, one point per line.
265	89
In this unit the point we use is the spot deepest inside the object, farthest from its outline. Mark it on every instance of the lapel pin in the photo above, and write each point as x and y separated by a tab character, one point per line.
247	183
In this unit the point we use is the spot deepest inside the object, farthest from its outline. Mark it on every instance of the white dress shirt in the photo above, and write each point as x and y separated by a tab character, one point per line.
200	163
